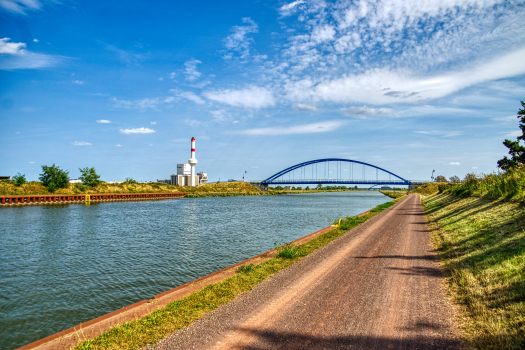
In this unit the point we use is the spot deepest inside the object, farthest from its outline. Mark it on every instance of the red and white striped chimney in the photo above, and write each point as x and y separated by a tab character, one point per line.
192	162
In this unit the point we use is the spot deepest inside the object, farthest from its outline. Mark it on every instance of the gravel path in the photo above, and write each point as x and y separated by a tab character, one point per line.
377	287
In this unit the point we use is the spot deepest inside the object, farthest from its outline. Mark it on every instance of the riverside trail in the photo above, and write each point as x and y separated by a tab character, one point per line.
377	287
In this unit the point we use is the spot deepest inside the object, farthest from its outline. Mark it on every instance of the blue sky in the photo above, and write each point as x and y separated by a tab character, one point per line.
406	85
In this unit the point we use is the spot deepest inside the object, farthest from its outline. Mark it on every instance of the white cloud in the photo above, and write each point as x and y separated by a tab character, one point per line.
454	163
379	86
296	129
220	115
79	82
118	145
153	123
418	145
172	75
16	57
363	112
35	40
474	167
508	119
514	134
11	48
137	131
20	6
31	162
440	133
238	42
103	121
81	143
306	108
191	69
324	33
188	95
145	103
288	9
161	79
250	97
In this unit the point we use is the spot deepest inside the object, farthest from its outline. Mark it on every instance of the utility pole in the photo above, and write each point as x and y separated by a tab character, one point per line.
245	172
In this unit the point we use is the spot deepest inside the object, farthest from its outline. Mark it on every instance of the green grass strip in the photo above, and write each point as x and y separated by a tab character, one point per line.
179	314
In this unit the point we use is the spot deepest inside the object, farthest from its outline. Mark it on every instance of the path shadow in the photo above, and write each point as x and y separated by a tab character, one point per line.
276	340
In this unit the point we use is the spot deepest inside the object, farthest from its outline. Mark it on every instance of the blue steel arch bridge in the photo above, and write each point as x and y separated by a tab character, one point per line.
334	171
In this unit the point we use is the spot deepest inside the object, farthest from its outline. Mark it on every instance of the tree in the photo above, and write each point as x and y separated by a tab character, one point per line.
516	151
455	179
89	176
53	177
19	179
441	178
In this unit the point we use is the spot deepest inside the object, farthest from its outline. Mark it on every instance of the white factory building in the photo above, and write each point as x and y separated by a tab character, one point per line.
186	172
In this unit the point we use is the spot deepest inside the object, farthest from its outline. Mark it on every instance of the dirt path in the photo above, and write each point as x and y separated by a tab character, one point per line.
378	287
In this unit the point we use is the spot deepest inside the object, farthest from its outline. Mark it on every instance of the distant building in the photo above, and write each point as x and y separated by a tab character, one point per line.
203	178
5	177
232	180
75	181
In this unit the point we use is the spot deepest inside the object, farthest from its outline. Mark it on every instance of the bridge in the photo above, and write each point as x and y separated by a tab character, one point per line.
335	171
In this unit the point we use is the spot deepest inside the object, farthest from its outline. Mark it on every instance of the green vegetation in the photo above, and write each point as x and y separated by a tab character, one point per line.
132	186
19	179
179	314
287	250
246	268
481	245
394	194
510	184
53	178
516	150
89	176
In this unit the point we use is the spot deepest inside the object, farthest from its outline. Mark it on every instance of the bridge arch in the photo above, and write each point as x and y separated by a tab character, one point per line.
274	178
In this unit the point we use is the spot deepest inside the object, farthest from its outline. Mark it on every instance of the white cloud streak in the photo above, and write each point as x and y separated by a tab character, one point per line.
320	127
103	121
14	56
81	143
137	131
238	42
306	108
363	112
20	6
250	97
191	69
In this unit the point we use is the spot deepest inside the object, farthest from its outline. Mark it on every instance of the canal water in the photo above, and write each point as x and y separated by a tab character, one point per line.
62	265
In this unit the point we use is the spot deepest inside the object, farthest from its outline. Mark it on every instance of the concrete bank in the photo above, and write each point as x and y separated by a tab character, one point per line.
83	198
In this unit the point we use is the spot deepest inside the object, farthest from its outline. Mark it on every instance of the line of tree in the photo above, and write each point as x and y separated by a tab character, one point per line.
54	178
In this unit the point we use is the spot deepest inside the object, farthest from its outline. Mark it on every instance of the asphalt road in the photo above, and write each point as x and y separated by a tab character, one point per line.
377	287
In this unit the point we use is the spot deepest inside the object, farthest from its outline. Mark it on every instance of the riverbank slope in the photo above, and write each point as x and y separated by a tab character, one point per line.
481	245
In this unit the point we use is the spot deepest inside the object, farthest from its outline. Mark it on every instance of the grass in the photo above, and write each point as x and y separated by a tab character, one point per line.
481	245
157	325
393	194
287	250
8	188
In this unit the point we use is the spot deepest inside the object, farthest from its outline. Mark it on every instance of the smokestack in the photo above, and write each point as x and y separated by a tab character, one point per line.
192	162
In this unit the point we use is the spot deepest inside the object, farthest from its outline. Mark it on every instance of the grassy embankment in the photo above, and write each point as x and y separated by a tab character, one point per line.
179	314
479	232
214	189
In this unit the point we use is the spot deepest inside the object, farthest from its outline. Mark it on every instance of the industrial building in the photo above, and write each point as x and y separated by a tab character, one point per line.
186	172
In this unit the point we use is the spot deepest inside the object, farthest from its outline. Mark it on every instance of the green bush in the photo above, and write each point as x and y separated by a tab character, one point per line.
54	178
286	250
19	179
89	176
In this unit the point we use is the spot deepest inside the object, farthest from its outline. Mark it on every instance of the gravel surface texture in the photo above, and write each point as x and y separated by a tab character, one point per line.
377	287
